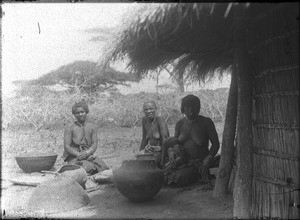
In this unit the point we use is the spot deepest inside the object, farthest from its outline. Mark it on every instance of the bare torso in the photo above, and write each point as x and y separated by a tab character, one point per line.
82	135
194	136
154	132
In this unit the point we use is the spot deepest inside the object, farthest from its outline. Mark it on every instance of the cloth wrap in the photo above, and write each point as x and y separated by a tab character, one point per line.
92	164
183	172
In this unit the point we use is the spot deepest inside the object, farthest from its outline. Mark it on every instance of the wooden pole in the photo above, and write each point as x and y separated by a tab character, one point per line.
227	151
243	179
180	80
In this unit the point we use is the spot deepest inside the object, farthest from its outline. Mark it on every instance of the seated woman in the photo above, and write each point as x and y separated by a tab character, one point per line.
188	152
155	131
81	141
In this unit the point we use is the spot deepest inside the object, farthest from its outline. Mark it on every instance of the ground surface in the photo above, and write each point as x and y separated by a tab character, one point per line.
106	202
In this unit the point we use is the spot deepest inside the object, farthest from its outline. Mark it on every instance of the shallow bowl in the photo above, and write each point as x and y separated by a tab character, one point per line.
31	164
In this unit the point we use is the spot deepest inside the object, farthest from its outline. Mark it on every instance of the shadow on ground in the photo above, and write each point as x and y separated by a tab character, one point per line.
189	202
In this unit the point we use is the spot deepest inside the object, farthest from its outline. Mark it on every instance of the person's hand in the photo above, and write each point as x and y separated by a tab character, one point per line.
207	160
171	142
83	155
204	173
151	148
172	159
91	158
141	152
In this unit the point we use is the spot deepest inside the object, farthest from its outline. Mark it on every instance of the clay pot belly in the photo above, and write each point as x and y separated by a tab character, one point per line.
138	180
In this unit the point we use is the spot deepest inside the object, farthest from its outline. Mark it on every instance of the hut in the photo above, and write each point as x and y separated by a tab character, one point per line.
260	43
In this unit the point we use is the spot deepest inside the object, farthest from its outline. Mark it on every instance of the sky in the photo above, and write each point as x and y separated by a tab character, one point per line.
39	38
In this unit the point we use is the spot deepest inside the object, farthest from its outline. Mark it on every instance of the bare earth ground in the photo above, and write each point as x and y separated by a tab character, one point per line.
106	202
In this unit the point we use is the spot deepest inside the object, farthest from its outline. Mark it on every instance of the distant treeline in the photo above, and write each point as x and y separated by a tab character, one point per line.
52	110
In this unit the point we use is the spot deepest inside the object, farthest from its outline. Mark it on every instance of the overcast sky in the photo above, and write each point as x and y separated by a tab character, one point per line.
39	38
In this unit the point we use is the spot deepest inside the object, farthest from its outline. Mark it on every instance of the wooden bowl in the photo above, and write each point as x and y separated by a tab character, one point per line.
31	164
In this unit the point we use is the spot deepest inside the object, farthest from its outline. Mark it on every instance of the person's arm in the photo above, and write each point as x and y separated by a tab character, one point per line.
163	128
169	143
177	129
178	126
68	141
144	140
94	144
215	144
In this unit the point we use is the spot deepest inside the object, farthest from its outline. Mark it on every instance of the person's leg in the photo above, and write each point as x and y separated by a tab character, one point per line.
158	159
182	176
71	160
167	144
215	161
100	165
204	171
177	156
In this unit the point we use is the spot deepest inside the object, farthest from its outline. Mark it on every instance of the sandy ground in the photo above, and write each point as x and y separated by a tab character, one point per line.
106	202
195	201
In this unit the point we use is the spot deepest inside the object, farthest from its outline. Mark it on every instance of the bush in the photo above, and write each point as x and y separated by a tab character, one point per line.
52	110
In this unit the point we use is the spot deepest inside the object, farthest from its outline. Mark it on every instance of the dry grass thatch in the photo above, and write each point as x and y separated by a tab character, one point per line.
198	34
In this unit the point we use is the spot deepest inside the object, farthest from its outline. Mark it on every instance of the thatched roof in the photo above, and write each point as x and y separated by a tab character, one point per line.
199	35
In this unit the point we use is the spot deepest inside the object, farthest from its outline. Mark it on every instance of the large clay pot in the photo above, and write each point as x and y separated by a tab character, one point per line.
138	180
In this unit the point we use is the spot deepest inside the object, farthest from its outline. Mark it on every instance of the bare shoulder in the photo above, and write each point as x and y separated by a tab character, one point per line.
160	119
180	122
144	119
207	120
91	126
69	127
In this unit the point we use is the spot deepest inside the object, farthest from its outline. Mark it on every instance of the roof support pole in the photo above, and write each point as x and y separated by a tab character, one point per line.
227	151
243	178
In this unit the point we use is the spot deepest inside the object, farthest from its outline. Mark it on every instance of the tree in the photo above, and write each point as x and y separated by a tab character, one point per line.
84	76
178	72
24	90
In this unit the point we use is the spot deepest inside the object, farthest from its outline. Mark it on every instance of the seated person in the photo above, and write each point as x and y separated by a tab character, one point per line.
188	152
81	141
155	131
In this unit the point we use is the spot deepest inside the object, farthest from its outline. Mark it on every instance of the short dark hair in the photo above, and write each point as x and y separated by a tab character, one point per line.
191	100
149	101
80	104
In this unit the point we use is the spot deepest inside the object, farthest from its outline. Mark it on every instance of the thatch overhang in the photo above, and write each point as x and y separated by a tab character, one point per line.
198	34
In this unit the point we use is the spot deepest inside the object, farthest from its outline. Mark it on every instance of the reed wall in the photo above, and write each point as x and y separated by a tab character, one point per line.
274	48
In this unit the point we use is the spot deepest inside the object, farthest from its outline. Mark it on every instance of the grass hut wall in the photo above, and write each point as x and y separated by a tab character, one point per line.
274	48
